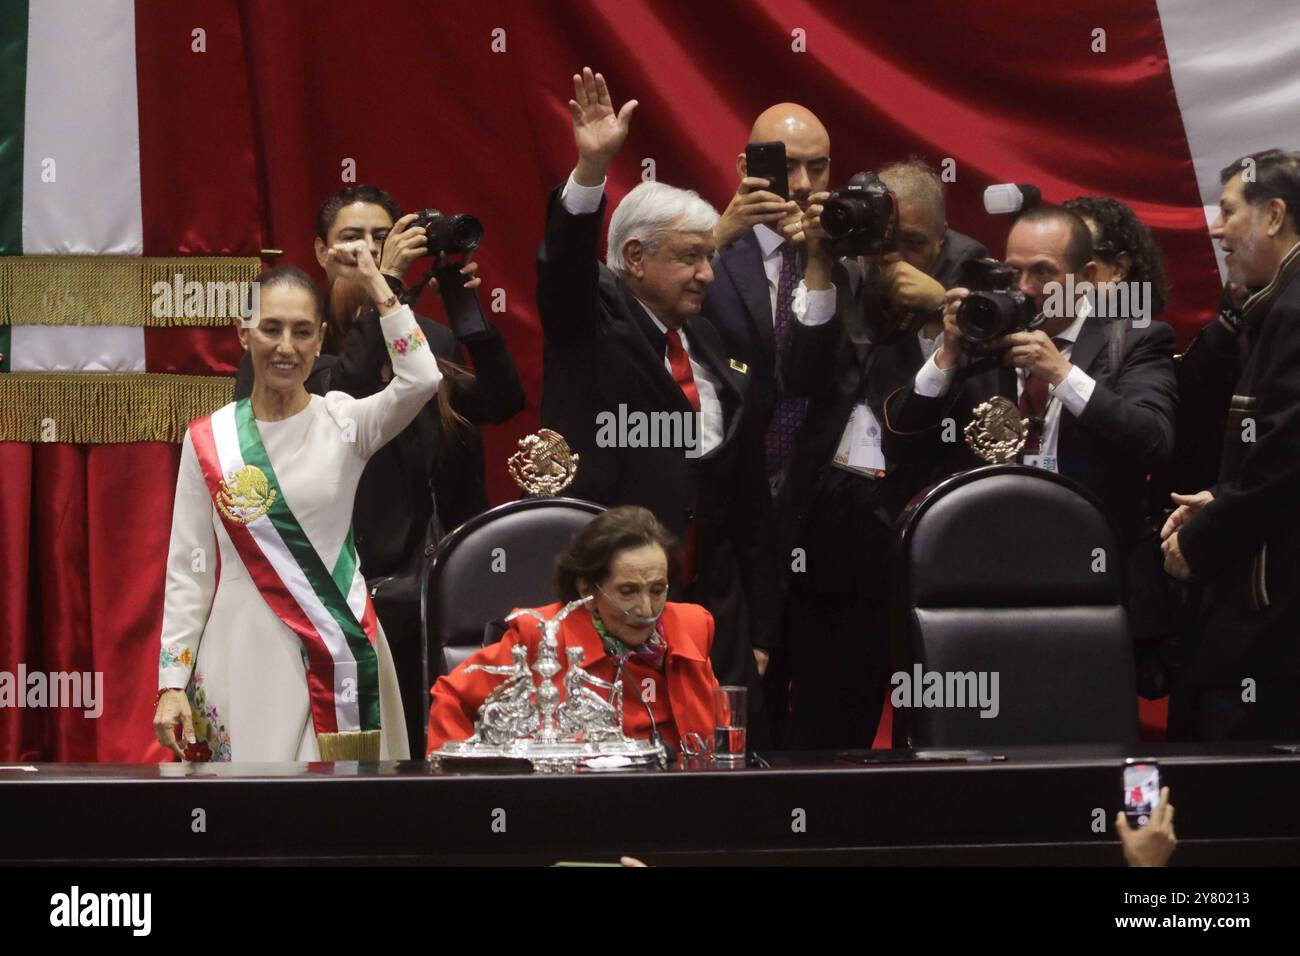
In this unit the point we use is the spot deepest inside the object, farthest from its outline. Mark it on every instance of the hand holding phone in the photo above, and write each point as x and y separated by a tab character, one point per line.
1141	790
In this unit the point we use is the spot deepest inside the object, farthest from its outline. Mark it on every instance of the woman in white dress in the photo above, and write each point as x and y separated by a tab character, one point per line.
270	649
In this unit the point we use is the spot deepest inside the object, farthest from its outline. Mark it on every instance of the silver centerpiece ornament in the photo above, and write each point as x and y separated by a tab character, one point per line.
525	722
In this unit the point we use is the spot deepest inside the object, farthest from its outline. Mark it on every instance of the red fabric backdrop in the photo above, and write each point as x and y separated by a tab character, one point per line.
240	145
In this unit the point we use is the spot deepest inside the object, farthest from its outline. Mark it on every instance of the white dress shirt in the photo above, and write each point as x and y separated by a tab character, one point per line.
1072	394
579	200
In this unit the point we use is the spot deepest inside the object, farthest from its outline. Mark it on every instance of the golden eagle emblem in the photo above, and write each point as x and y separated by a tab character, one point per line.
544	465
245	495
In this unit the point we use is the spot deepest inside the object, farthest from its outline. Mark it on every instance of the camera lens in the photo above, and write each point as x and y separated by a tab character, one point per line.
842	216
463	233
983	316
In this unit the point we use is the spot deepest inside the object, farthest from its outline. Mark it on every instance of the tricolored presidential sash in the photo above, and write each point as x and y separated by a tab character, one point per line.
330	612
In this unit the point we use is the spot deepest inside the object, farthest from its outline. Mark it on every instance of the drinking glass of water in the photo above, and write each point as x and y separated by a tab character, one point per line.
729	710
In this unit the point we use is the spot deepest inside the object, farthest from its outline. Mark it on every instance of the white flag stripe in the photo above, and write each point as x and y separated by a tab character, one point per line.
82	126
225	436
67	348
1236	73
357	594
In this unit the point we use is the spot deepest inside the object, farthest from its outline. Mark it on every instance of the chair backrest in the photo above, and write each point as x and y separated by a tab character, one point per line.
1014	572
499	560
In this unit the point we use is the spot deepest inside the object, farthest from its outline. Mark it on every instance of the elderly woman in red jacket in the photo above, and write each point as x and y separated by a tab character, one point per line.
624	559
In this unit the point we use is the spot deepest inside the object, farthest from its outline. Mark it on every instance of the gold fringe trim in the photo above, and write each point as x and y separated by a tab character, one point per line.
124	290
349	745
102	408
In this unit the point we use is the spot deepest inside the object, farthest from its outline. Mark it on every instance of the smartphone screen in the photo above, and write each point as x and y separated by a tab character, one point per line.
767	161
1141	791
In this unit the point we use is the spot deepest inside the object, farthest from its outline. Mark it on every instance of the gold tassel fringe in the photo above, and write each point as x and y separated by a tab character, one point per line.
100	408
123	290
349	745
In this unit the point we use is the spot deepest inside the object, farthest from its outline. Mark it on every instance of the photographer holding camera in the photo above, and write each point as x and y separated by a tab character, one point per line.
841	495
1099	396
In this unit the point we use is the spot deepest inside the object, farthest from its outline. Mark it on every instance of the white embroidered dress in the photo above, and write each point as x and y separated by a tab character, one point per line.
243	667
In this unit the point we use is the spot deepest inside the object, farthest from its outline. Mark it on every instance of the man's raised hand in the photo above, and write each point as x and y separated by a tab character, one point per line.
598	131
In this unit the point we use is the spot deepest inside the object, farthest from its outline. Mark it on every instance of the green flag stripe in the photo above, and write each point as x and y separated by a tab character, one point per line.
13	94
322	583
346	566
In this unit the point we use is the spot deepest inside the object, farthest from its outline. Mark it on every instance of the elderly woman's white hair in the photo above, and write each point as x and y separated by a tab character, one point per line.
649	212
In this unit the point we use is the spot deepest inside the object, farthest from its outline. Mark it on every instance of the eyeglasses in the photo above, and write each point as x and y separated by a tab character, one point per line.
694	747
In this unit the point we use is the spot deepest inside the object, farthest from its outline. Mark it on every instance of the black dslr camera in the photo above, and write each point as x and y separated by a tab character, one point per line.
861	219
995	306
453	235
449	234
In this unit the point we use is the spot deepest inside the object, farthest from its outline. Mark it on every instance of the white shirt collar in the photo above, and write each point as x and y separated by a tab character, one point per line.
1071	332
659	325
769	240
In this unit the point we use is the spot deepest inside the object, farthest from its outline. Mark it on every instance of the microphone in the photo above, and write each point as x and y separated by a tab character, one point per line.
654	726
1007	198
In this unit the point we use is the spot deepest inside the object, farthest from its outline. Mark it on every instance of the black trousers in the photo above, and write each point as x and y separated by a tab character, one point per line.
836	619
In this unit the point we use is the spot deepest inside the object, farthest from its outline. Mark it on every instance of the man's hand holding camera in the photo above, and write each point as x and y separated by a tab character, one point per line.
1034	350
405	243
805	229
908	289
752	205
598	131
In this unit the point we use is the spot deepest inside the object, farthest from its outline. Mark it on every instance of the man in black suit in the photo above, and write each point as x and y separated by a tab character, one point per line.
1241	539
837	506
1100	395
627	346
758	266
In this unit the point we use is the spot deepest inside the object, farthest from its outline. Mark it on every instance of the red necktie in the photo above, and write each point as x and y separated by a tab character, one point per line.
1033	405
681	366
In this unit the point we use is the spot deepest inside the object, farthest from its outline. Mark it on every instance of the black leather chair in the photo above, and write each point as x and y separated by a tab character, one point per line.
464	588
998	572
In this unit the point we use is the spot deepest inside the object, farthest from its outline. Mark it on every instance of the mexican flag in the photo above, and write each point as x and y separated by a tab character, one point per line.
94	345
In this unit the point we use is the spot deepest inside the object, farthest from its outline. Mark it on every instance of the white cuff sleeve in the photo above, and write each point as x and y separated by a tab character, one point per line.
812	306
580	200
932	381
1075	391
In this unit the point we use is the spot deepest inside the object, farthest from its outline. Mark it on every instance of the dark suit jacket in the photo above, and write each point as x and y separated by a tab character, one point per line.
1207	372
601	352
1245	545
861	367
740	305
390	540
1126	431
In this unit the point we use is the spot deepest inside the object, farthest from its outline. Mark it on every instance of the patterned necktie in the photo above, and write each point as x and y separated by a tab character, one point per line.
681	366
789	411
